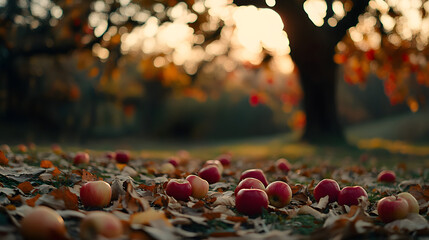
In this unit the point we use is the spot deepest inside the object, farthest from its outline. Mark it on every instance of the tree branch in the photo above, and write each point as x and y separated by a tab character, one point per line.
329	11
350	20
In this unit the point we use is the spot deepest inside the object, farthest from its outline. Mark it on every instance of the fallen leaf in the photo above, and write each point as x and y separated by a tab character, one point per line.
87	176
3	159
70	199
46	164
32	201
413	222
311	211
25	187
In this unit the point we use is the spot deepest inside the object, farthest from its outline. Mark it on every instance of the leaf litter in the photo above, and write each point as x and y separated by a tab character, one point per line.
140	201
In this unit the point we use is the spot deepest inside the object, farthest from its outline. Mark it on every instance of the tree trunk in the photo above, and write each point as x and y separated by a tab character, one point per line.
319	85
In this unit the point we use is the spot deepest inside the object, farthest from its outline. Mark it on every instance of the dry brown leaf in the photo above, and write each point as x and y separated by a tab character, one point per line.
237	219
46	164
212	215
87	176
25	187
311	211
32	201
323	202
413	222
70	199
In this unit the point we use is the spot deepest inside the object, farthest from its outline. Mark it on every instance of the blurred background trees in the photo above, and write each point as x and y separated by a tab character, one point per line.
199	69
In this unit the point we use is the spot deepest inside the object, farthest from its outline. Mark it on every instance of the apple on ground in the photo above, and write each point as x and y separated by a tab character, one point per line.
279	193
95	194
392	208
283	165
327	187
216	163
386	176
200	187
43	223
350	195
249	183
251	201
167	168
210	173
413	205
180	189
225	160
110	155
98	223
122	156
81	158
174	160
255	173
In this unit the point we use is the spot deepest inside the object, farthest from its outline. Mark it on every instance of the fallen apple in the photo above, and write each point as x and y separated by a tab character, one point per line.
210	173
122	156
413	205
392	208
283	165
43	223
350	195
249	183
200	187
327	187
386	176
255	173
279	193
81	158
98	223
180	189
95	194
251	202
216	163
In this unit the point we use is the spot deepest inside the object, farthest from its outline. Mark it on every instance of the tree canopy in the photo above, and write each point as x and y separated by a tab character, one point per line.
179	42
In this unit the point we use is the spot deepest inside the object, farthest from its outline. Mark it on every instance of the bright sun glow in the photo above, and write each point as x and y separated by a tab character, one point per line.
316	11
260	28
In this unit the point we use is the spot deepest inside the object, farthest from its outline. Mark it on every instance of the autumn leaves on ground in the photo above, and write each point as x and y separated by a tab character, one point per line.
58	194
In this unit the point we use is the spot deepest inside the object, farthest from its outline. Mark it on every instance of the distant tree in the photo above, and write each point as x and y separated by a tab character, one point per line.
386	37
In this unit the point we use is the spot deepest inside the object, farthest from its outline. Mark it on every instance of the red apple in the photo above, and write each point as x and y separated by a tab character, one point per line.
210	173
225	160
251	201
413	205
392	208
279	194
98	223
386	176
214	163
95	194
110	155
174	160
349	195
180	189
81	158
43	223
122	156
283	165
249	183
255	173
200	187
327	187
